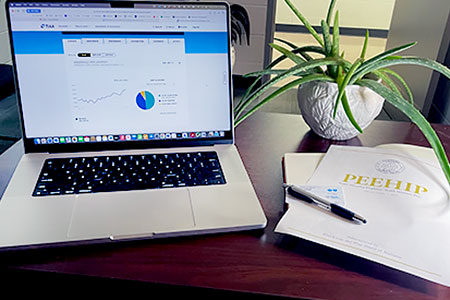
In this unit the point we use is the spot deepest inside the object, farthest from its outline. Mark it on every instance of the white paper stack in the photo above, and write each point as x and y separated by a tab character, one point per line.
400	190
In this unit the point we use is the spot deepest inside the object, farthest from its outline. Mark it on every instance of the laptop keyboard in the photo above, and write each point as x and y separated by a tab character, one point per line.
128	172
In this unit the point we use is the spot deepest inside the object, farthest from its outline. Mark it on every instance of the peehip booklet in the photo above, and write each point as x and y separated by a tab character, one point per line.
400	191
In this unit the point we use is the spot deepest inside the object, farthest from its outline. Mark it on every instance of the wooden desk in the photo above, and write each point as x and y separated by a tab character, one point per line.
256	263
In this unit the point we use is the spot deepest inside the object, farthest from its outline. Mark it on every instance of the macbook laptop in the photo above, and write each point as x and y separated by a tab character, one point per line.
127	122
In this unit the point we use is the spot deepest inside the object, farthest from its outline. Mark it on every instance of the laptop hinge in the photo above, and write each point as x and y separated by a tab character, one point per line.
223	145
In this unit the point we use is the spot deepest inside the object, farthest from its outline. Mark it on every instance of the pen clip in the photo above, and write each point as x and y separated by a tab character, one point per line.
299	196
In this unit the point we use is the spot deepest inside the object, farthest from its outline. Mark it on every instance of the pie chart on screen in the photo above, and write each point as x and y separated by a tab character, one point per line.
145	100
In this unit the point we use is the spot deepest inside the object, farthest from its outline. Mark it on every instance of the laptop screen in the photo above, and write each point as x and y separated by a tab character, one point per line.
121	74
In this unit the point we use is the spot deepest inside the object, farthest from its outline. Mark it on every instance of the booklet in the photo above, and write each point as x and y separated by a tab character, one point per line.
400	191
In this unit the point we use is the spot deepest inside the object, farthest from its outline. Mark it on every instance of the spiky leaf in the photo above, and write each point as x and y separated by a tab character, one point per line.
402	82
424	62
326	37
292	71
305	22
330	11
416	117
289	54
284	88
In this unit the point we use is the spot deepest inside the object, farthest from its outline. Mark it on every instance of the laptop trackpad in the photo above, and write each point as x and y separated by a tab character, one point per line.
133	213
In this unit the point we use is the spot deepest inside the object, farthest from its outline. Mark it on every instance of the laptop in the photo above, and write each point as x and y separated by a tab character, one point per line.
126	109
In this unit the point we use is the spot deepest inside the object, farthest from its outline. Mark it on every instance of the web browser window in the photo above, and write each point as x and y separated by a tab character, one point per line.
92	70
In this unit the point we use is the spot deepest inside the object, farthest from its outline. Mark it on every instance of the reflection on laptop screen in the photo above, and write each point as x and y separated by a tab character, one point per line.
92	73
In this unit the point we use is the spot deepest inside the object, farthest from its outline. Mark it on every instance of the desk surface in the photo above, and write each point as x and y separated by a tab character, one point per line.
257	262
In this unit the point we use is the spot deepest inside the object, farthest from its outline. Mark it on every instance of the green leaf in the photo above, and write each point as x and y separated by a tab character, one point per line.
293	46
364	49
247	92
424	62
315	77
309	65
402	82
300	50
335	49
367	64
287	53
416	117
297	50
330	11
339	80
340	97
326	37
388	81
273	72
394	57
305	22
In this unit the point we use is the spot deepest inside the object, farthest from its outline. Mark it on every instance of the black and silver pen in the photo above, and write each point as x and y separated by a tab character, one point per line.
307	196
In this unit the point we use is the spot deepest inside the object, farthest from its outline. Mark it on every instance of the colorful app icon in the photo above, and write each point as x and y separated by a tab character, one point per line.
122	137
55	140
80	139
203	134
216	133
98	138
110	138
145	136
192	135
174	135
156	136
93	138
37	141
116	138
185	135
68	140
151	136
74	139
168	135
139	137
133	137
86	139
62	140
128	137
222	133
179	136
104	138
198	134
44	141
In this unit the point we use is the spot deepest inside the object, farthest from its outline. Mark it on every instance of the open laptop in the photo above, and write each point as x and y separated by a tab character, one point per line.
127	122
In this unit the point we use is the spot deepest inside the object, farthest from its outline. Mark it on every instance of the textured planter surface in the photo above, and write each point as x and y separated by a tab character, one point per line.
316	102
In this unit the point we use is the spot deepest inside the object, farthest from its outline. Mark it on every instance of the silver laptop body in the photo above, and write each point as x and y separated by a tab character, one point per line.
101	79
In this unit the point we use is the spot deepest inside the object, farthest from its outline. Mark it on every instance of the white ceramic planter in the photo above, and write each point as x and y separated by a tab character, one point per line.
316	102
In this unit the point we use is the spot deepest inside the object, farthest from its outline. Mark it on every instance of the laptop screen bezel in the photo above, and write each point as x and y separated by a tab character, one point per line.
29	143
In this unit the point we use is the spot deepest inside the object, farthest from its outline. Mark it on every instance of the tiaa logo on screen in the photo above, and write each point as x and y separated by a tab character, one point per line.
47	26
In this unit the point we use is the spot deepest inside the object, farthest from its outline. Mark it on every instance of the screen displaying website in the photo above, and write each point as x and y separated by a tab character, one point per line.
90	70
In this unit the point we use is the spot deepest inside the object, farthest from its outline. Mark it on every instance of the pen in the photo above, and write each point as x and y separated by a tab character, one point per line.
306	196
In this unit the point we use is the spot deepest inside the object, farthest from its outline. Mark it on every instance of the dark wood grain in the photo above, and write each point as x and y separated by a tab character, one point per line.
257	262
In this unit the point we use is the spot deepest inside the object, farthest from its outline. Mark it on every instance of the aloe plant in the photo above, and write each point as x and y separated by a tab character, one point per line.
330	65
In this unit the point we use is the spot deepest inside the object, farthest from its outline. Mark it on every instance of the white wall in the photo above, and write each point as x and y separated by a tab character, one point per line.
5	56
424	22
352	13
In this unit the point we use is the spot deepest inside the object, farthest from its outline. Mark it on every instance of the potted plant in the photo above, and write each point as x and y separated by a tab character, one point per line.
240	24
329	75
240	28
